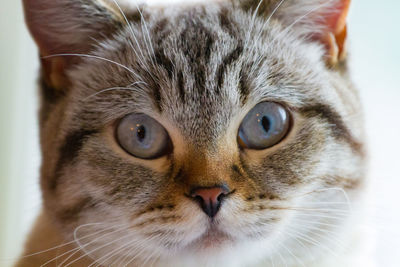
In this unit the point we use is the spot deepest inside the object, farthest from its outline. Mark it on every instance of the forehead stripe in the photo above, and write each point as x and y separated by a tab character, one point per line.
229	60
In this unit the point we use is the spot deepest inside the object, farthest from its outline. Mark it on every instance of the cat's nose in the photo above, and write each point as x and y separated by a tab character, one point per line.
210	198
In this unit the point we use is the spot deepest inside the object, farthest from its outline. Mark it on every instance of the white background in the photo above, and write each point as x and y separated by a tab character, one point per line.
375	60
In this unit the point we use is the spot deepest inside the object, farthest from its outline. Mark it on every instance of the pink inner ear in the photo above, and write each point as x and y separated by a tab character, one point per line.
336	21
66	26
334	38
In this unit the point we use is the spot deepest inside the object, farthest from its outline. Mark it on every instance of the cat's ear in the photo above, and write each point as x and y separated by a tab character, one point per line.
322	20
67	26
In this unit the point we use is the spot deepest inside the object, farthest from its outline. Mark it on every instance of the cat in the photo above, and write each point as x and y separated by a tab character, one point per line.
218	133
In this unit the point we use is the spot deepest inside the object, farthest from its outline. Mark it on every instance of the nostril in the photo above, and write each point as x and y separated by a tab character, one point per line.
210	198
221	196
199	199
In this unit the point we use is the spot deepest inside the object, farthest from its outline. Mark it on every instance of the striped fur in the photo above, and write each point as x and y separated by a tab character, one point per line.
198	70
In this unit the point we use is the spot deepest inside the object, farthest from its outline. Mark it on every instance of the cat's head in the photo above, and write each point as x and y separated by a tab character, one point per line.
225	130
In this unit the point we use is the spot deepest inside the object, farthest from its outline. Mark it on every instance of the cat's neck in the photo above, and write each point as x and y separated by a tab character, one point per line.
45	244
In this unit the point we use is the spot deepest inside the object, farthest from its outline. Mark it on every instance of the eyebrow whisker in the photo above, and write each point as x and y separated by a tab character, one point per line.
94	57
130	88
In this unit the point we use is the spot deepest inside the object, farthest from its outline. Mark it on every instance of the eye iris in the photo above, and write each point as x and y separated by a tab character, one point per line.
143	137
266	124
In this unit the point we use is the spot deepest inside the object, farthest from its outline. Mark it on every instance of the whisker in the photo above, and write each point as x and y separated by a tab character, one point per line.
328	236
280	255
142	249
132	33
75	250
331	234
321	216
121	248
143	21
311	241
81	247
47	250
98	248
272	261
263	26
151	255
316	222
301	244
100	261
124	258
294	256
58	246
77	240
311	210
114	88
304	16
273	12
94	57
324	203
253	22
320	190
59	256
119	261
337	211
253	19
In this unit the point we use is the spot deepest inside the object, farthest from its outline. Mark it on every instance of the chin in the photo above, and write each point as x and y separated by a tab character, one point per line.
220	252
217	246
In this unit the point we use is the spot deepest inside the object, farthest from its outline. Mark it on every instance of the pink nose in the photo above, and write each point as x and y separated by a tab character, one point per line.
210	198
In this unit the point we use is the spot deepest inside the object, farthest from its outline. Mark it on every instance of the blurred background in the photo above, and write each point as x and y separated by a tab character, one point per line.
375	63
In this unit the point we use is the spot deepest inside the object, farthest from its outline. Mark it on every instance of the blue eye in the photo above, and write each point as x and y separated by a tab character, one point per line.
143	137
264	126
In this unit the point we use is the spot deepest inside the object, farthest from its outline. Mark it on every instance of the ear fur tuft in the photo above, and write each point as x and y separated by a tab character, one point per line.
322	20
67	26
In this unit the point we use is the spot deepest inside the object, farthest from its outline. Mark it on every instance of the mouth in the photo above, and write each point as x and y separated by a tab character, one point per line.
211	239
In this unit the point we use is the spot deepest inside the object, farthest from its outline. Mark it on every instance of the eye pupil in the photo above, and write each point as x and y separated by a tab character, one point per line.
141	133
266	124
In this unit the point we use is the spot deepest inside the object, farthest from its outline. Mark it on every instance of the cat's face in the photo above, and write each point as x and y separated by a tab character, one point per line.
198	131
